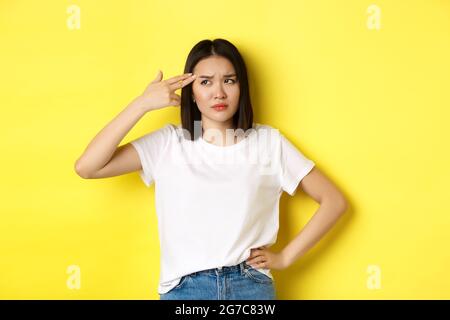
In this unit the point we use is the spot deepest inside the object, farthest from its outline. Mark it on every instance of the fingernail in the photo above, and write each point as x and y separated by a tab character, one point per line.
189	73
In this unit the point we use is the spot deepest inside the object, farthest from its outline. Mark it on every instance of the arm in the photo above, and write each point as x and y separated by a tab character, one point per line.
332	206
102	147
95	159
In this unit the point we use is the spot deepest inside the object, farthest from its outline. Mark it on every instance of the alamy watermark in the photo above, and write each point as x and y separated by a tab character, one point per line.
259	147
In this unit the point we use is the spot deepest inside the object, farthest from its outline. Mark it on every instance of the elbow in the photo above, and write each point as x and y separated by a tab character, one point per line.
79	171
338	202
341	204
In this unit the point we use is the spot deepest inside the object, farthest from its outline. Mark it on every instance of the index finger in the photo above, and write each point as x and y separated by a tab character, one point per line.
178	78
182	83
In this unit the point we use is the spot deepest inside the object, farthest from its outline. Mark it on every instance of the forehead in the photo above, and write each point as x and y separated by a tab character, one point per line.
214	65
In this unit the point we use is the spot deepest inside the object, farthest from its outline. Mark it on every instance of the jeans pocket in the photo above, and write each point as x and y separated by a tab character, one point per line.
257	276
182	281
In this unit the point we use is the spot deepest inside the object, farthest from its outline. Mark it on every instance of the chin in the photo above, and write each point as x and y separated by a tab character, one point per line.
221	117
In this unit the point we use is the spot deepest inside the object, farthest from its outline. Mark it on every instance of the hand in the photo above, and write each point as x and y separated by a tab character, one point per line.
263	258
160	94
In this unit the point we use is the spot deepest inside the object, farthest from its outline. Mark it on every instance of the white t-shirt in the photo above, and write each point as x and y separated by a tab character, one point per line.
216	203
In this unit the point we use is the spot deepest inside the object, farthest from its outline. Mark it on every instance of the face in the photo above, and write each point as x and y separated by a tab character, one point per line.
216	82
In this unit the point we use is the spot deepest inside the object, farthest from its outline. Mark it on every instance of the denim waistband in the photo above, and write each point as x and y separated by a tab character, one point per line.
225	269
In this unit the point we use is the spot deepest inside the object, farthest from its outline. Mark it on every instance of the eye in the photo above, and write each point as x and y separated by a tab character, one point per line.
233	81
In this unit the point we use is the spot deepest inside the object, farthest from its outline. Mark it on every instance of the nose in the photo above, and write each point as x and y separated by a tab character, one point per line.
219	92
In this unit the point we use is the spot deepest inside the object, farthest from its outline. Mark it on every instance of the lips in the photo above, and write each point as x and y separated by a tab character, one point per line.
220	105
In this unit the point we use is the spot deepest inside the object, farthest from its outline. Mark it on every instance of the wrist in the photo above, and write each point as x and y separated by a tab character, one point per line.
285	258
138	105
289	257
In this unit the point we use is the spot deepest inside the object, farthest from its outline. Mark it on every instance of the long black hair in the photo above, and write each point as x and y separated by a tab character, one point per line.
243	118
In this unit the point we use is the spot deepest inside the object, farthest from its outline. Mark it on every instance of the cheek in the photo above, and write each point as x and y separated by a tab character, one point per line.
202	95
235	91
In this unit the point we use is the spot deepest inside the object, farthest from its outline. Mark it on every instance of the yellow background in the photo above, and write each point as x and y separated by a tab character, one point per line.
369	106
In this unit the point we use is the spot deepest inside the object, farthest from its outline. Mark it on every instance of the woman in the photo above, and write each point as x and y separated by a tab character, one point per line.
218	180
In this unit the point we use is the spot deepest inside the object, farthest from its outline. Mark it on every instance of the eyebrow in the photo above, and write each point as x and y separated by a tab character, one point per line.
225	76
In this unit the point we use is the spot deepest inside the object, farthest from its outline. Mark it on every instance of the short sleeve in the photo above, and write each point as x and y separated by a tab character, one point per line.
150	148
294	166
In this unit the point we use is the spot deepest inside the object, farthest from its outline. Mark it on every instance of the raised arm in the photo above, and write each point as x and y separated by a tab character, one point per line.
102	157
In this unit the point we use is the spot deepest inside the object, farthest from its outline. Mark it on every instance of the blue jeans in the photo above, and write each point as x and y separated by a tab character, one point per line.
238	282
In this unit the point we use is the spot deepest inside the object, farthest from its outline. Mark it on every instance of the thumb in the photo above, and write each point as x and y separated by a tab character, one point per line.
159	76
